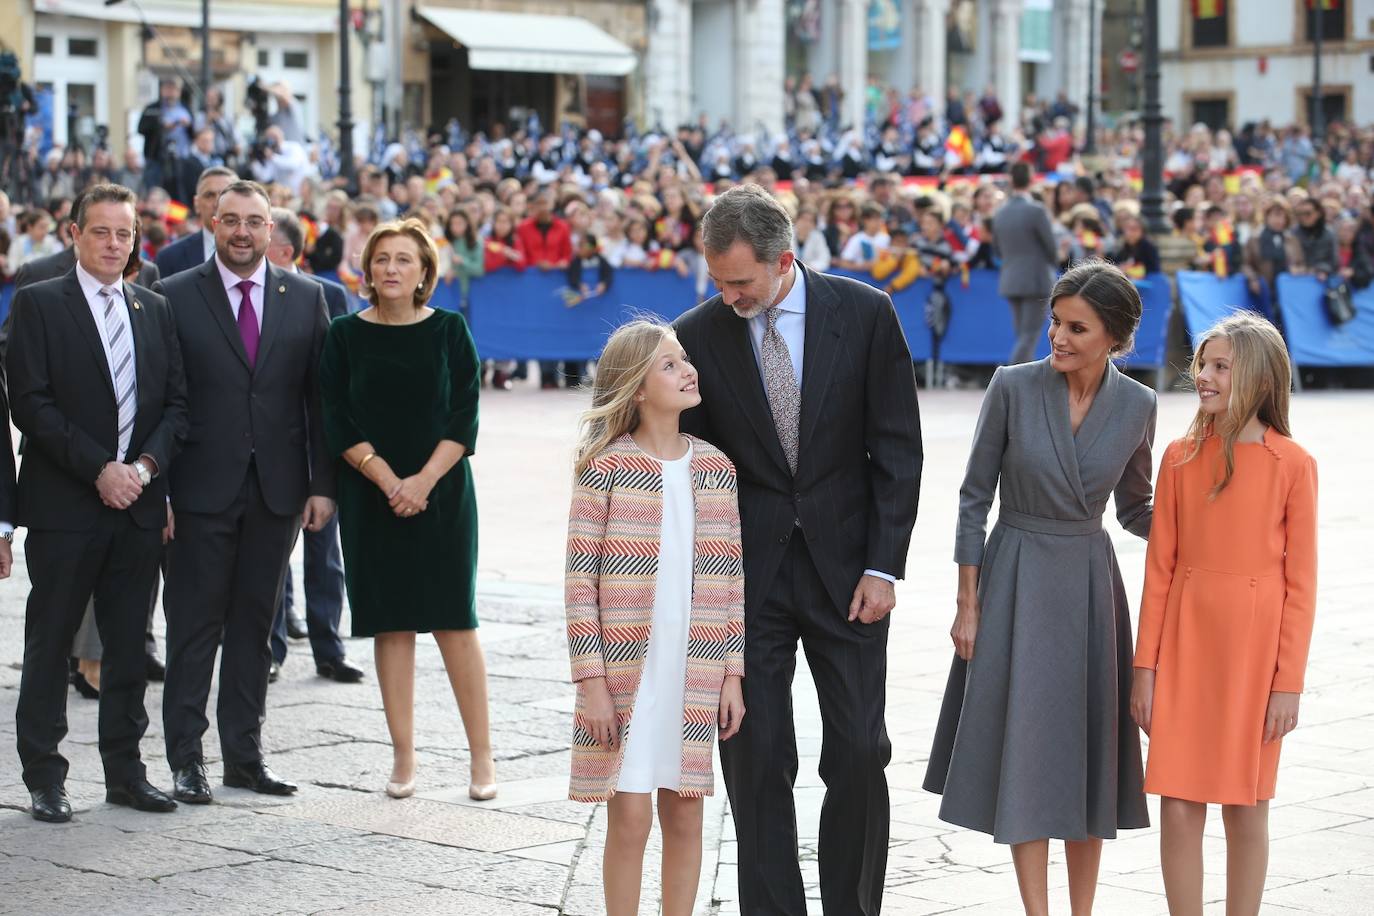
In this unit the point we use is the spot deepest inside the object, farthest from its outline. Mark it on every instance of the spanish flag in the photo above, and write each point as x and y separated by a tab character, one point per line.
177	212
1211	9
1325	4
960	145
1134	270
1222	237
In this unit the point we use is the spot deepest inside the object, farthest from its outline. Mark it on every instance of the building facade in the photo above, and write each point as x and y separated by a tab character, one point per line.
98	65
1228	63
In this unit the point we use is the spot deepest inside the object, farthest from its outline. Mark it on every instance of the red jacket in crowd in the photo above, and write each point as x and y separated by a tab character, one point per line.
497	256
551	244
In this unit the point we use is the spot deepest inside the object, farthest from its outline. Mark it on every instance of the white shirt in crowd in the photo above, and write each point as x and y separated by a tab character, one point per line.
854	249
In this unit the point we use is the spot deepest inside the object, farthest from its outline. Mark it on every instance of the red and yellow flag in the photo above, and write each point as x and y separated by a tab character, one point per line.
960	145
177	212
1209	9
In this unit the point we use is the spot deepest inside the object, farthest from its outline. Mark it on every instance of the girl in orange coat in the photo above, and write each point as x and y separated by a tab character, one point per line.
1226	619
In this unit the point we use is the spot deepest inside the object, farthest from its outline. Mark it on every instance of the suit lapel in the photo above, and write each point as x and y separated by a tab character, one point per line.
1054	391
818	358
737	357
273	311
217	301
81	314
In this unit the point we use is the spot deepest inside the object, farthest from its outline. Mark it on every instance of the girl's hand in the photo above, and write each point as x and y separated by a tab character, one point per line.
731	706
965	629
1282	715
1143	698
597	717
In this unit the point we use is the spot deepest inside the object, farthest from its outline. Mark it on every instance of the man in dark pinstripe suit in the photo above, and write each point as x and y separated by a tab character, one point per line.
807	384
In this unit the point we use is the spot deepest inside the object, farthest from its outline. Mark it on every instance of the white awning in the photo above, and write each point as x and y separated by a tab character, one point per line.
227	15
532	43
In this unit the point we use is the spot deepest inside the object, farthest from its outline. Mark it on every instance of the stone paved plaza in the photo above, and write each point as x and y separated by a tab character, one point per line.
341	846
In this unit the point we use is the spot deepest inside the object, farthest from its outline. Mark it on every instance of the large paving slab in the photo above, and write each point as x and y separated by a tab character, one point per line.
343	847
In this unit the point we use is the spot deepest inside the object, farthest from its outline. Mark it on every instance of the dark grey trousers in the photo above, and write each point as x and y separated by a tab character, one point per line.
1028	318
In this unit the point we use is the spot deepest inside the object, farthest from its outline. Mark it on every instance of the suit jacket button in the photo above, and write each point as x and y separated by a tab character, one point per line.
783	539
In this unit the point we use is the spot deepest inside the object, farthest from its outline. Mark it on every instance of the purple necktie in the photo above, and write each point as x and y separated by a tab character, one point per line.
248	322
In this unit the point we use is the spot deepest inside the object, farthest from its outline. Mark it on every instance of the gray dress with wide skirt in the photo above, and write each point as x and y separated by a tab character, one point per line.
1035	738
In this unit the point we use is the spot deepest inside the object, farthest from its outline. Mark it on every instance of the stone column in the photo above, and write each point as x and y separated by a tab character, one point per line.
760	62
1072	50
668	64
1005	60
902	72
853	69
931	43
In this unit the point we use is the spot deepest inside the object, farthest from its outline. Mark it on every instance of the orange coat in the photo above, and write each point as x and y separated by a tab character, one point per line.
1226	618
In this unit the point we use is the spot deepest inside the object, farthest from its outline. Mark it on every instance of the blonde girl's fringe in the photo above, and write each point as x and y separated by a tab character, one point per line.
620	371
1261	379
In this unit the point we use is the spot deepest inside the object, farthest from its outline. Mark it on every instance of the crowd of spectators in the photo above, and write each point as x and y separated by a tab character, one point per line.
911	193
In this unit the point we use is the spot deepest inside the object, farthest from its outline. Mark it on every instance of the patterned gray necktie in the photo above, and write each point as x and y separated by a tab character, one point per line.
780	382
121	367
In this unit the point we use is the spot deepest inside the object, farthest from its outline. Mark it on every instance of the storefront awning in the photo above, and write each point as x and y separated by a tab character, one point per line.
531	43
224	14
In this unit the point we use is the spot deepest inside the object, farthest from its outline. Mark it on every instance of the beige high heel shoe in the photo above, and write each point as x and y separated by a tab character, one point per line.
482	791
400	789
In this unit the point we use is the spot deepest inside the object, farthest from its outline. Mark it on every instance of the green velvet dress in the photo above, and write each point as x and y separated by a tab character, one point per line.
404	388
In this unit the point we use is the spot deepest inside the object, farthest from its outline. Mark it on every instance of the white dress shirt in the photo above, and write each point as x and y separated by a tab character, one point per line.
90	288
207	243
792	326
231	281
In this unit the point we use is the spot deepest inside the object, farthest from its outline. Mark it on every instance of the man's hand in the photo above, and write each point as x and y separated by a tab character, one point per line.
6	558
318	511
118	485
169	533
874	599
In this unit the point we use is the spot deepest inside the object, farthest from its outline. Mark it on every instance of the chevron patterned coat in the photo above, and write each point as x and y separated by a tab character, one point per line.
613	545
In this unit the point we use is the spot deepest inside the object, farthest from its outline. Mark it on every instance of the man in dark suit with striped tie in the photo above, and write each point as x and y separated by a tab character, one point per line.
807	385
97	386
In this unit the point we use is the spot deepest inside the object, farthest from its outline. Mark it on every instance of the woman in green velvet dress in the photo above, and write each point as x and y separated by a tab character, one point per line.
400	385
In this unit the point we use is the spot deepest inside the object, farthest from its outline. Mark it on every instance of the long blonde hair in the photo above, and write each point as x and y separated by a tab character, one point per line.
1261	376
621	370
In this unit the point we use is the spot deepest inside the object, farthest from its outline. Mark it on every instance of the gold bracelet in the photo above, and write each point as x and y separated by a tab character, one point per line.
362	464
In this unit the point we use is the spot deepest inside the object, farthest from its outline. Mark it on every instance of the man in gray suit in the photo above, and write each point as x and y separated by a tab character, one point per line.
1029	257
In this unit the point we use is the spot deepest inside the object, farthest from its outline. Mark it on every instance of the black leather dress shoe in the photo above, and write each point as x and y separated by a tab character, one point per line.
341	670
274	672
295	627
190	785
258	777
140	795
157	671
51	804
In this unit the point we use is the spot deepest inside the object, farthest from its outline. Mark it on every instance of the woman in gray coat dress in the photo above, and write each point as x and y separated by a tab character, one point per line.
1035	738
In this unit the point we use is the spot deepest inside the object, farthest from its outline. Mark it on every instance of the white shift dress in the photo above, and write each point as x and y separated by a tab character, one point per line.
653	747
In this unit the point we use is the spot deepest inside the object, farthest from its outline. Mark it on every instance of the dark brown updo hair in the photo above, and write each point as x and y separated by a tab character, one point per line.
1111	294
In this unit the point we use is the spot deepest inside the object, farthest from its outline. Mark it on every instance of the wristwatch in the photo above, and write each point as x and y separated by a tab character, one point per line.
145	476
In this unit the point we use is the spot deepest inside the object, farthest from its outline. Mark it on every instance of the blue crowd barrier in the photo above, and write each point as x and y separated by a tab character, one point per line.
517	315
521	315
6	297
1312	339
1207	298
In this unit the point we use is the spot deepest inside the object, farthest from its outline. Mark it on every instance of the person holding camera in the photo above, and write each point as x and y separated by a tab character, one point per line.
166	129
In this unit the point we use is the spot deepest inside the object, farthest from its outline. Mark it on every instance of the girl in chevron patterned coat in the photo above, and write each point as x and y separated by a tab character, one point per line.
655	603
